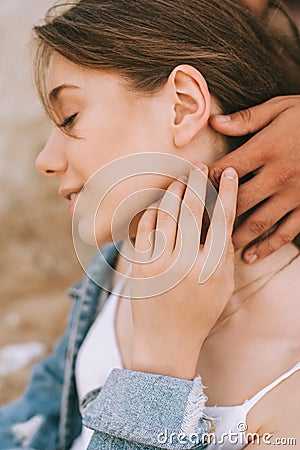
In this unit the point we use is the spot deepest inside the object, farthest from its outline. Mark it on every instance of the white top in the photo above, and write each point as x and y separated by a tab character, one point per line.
98	355
234	418
91	372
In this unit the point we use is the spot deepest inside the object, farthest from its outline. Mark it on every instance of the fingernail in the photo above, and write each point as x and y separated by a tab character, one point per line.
222	119
230	173
251	258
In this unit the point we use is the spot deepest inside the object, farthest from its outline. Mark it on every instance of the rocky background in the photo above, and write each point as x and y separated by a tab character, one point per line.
37	259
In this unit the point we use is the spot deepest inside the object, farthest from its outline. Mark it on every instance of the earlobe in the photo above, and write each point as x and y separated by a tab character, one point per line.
192	103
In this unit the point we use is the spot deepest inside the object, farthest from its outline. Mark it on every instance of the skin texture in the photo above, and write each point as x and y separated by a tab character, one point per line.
177	121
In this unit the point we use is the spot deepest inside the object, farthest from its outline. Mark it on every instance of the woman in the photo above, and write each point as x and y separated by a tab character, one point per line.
120	81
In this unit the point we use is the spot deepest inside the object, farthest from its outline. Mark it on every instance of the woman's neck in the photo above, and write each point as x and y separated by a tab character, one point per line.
251	280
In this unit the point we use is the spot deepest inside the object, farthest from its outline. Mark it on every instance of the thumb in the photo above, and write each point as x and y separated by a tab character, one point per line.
250	120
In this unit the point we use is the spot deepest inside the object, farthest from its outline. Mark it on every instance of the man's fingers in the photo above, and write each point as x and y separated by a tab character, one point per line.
254	191
249	157
252	119
284	234
261	220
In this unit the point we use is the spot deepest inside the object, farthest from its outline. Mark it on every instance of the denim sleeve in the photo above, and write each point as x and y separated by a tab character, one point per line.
37	411
139	410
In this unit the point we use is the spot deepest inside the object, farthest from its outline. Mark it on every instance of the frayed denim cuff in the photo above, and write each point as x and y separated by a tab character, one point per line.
148	410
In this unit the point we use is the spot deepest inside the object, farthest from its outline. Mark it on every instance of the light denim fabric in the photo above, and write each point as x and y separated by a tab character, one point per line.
133	410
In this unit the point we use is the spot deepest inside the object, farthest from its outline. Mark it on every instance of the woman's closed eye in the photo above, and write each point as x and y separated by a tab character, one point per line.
68	121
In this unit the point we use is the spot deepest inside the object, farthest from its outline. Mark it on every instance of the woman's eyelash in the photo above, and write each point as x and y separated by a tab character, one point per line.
68	121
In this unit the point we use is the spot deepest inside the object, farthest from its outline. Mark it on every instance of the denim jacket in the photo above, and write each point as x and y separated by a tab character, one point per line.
132	410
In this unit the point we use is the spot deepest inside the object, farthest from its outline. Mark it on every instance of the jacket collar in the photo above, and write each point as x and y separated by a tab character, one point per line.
100	268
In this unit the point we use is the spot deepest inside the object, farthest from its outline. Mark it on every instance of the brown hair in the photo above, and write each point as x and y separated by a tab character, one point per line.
143	40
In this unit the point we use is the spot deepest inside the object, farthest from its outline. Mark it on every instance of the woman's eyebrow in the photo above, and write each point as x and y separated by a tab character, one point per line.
56	91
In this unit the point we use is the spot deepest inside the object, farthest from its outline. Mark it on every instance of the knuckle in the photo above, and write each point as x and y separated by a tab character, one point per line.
257	227
229	251
229	215
175	185
285	176
224	221
215	174
242	203
163	217
279	99
142	227
285	236
246	116
144	223
285	101
269	246
192	207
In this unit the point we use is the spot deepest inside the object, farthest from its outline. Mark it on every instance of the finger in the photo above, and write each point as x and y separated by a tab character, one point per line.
262	219
248	158
220	230
191	212
252	119
264	184
144	240
167	217
284	234
256	190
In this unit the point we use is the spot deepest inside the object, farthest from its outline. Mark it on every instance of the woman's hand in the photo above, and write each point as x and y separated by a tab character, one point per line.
169	328
274	155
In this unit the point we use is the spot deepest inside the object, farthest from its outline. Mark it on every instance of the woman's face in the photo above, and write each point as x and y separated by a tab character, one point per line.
112	122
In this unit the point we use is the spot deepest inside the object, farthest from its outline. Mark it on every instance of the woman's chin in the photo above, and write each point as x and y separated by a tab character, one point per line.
98	234
86	233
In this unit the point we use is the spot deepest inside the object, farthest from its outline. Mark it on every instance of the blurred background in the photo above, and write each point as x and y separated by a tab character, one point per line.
37	259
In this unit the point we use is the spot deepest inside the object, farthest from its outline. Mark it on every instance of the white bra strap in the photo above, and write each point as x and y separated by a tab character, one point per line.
252	401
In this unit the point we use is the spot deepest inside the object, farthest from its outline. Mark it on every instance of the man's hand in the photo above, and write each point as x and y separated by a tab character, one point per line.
274	154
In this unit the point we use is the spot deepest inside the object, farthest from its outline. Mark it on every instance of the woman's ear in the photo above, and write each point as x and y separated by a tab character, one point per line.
191	103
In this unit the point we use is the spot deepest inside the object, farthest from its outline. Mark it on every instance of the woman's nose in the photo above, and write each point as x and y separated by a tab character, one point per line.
51	160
